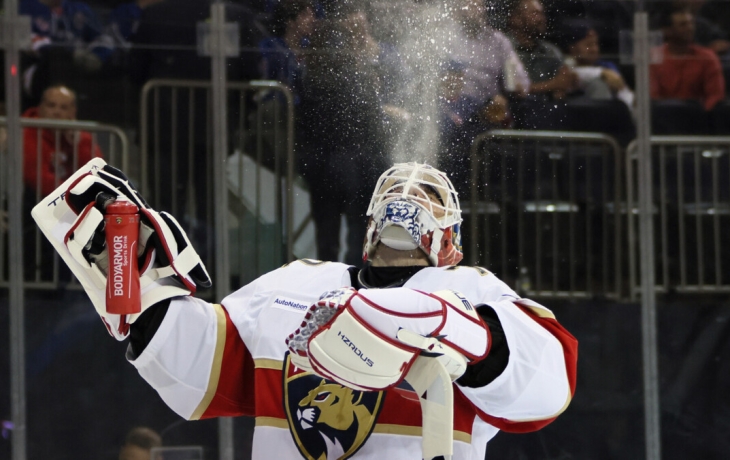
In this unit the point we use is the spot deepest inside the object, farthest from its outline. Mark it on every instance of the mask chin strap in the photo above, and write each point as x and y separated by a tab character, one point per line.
436	246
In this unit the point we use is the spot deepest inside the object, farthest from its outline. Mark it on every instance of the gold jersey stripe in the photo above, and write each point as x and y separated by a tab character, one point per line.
381	428
462	436
215	369
565	406
264	363
386	428
272	421
539	312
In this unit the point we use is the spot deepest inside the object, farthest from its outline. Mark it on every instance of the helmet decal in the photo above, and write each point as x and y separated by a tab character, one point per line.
403	214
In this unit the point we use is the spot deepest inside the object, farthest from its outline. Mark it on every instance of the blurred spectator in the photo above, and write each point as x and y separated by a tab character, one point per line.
67	37
597	79
491	67
71	24
456	107
550	78
461	118
558	11
282	60
718	11
165	42
475	88
164	47
609	17
688	71
124	21
138	444
281	55
51	155
707	33
543	61
341	130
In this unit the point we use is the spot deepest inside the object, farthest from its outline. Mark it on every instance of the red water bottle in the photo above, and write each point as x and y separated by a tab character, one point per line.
123	296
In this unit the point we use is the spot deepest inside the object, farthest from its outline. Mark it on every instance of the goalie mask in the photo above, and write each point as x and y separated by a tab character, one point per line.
415	206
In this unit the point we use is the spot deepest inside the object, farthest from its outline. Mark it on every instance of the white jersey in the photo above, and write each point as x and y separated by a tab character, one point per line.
209	360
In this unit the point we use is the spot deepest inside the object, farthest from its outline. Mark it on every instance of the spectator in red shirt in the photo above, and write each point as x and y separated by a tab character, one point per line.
51	155
688	71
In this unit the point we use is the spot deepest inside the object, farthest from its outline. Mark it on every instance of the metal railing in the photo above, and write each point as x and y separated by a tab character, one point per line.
71	142
177	173
545	211
691	210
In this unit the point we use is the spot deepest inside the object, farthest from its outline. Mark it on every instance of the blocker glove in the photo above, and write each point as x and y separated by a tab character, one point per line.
72	218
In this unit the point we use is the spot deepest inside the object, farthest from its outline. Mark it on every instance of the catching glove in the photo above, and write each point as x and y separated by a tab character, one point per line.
72	218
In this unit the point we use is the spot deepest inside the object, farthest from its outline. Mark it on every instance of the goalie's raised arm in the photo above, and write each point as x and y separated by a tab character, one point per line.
72	218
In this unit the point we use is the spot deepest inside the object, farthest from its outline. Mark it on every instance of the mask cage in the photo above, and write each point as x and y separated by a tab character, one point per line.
415	182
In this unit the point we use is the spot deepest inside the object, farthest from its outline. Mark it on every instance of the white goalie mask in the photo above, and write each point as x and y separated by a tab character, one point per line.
415	206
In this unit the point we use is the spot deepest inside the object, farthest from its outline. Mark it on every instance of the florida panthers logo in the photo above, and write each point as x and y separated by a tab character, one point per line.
326	419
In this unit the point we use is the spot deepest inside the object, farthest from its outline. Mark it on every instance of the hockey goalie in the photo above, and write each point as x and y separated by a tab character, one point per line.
412	356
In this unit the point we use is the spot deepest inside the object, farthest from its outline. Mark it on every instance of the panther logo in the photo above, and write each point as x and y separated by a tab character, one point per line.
326	419
403	213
